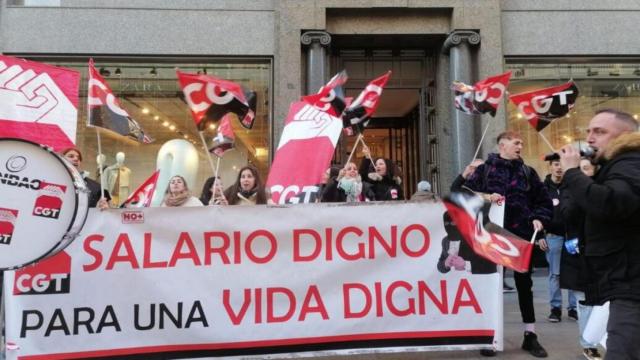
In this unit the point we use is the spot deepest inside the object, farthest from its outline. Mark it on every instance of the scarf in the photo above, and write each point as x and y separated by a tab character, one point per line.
176	199
352	187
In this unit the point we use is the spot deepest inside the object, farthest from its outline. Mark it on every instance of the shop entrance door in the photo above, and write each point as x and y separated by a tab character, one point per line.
403	128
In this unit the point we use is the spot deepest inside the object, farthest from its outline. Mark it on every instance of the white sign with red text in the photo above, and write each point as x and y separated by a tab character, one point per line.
250	281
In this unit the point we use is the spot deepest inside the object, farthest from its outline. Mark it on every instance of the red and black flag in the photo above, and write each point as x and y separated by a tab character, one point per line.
224	140
143	195
483	97
541	107
485	238
104	109
210	99
330	97
356	117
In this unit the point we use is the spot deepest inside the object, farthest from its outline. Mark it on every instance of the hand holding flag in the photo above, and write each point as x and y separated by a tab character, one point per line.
356	117
483	97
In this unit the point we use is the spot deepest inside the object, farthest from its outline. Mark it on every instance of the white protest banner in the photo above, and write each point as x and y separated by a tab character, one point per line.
251	281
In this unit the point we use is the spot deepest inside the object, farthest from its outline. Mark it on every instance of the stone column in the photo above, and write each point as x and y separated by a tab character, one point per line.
316	41
458	46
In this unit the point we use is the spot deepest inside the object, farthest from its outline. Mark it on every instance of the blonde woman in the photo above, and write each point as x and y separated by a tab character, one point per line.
347	187
178	194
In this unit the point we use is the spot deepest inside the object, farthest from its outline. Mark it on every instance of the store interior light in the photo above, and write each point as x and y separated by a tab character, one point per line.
156	118
212	126
145	111
172	127
165	124
635	116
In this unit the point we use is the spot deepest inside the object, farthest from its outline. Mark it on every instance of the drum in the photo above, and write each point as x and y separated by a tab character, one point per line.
43	203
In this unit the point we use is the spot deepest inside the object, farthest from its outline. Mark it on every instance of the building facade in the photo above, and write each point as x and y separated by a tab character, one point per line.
287	48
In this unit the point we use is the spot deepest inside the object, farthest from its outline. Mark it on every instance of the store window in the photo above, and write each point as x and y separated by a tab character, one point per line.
600	85
150	93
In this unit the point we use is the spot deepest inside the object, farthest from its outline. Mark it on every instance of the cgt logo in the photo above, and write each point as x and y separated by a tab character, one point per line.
132	217
49	200
49	276
8	219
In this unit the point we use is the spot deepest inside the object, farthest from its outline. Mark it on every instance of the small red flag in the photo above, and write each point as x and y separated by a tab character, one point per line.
143	194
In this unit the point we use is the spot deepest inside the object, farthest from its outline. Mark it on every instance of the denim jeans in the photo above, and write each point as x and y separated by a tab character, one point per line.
555	244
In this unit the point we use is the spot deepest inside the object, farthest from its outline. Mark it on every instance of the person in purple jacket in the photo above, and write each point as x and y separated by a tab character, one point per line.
504	177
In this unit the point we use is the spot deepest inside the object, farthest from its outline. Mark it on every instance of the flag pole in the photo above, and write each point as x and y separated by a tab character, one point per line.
484	133
368	155
533	238
215	181
206	151
546	141
353	150
100	165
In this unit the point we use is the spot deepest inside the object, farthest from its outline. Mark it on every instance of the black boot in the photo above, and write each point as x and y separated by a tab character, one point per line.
532	345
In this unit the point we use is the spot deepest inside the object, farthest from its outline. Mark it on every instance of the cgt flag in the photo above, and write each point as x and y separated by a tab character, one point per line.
541	107
483	97
38	102
225	140
142	196
210	99
487	240
330	98
356	117
105	111
306	147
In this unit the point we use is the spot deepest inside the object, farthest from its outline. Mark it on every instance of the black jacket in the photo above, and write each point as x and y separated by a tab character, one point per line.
556	225
94	192
332	193
611	204
384	187
573	267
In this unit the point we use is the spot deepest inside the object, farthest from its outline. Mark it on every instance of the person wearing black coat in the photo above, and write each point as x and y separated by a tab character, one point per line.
553	244
74	156
611	205
382	176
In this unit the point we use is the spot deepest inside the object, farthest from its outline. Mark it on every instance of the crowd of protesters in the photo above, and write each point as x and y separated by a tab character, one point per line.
583	214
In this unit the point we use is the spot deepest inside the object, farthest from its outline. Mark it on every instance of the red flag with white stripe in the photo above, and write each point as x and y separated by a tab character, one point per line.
142	196
210	99
38	102
104	109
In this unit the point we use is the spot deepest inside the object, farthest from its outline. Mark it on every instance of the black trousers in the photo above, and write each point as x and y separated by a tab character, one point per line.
524	285
623	330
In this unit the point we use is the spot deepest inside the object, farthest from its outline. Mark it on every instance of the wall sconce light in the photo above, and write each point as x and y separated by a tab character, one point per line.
118	72
104	72
153	71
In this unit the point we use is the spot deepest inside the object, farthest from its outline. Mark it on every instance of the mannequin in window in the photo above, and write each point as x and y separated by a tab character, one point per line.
118	178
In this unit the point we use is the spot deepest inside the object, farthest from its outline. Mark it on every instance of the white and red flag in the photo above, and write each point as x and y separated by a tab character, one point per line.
104	109
225	139
304	153
483	97
330	97
357	115
142	196
485	238
210	99
38	102
541	107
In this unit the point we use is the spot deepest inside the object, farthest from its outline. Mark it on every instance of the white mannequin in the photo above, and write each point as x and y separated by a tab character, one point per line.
118	178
